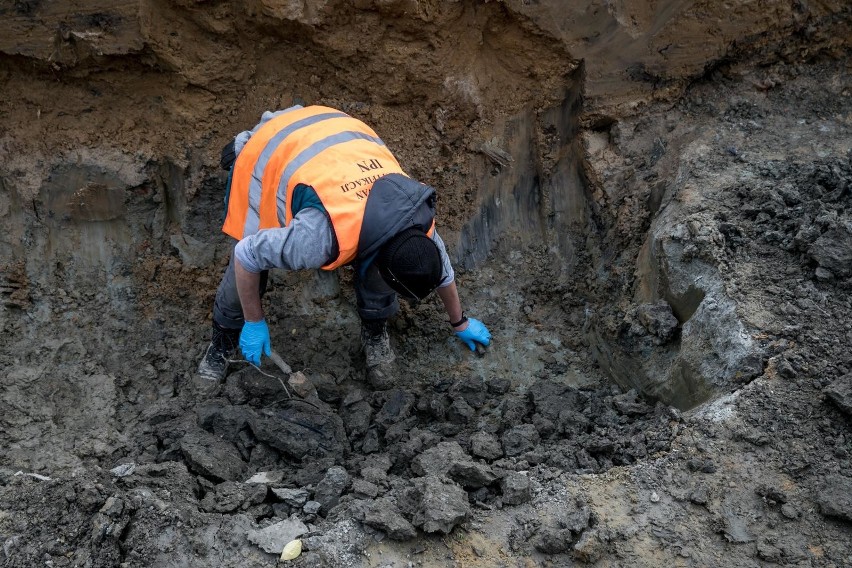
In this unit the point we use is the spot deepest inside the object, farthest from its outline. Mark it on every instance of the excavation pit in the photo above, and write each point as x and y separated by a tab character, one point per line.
655	230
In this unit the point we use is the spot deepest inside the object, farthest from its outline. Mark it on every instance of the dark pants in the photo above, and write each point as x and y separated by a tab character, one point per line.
376	300
227	310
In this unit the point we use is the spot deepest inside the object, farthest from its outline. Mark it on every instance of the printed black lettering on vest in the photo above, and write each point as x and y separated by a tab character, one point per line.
350	185
373	164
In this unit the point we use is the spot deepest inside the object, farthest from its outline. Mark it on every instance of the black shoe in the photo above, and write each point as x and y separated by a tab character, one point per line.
376	343
214	365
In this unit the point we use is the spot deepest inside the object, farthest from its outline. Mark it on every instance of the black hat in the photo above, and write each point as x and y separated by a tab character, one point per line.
411	264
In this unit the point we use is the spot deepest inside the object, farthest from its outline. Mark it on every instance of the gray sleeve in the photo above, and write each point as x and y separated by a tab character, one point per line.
449	273
307	242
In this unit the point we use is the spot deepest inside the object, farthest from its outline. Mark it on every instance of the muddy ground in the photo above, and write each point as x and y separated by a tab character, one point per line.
648	207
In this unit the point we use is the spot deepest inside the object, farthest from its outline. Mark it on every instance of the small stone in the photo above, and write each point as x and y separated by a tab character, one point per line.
384	516
520	439
516	488
823	275
485	445
699	496
554	540
654	497
362	488
439	459
226	497
194	253
293	497
123	470
371	442
301	385
211	456
790	511
499	386
460	412
266	477
312	507
840	393
835	497
768	552
331	487
772	494
471	474
785	369
113	507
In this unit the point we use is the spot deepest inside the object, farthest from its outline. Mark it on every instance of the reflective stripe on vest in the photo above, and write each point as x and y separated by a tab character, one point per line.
338	156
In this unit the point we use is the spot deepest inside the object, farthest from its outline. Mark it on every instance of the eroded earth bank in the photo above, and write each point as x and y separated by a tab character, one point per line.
648	205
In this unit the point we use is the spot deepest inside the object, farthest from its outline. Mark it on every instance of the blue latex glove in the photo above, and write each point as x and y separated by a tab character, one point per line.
254	339
474	333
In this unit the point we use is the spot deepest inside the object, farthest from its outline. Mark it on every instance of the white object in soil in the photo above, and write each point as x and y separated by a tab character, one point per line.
292	550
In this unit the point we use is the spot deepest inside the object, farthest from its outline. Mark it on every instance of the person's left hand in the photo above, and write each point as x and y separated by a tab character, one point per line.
474	333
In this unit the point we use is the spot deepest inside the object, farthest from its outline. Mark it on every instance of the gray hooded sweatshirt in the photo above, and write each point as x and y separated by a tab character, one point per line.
394	204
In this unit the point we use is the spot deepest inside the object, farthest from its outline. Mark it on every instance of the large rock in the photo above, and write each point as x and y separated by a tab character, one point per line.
840	393
519	439
833	250
711	351
211	456
273	538
439	505
293	497
383	515
835	497
397	407
247	384
473	390
331	487
356	413
229	496
516	488
301	430
223	419
485	445
472	474
439	459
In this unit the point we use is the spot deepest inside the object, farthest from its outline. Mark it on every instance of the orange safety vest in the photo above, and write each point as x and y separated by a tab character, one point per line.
338	156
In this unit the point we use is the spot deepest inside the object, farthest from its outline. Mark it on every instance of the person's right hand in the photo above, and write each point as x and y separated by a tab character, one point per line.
254	340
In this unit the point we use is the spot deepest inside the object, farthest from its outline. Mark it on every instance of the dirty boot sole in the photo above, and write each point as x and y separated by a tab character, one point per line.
378	350
211	372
